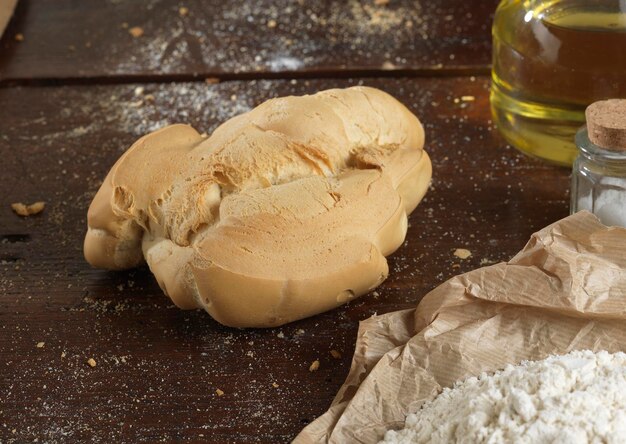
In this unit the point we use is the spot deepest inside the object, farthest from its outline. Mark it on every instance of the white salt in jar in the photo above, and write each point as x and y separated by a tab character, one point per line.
599	173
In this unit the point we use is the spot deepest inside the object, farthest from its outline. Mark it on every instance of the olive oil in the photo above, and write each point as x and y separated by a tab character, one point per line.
551	59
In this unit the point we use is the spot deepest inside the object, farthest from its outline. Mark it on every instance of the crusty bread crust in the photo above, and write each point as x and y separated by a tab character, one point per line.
283	212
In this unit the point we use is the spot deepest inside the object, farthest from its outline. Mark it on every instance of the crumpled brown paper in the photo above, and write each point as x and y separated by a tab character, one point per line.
566	290
6	10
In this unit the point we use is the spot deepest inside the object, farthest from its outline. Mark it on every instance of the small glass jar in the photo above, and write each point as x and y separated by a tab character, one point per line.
599	181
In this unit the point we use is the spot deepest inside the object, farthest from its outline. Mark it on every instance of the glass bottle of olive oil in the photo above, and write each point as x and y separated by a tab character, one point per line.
550	60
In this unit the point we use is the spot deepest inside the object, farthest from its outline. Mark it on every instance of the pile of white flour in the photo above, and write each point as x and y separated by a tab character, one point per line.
575	398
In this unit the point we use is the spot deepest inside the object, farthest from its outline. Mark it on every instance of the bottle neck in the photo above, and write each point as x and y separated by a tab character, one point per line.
597	154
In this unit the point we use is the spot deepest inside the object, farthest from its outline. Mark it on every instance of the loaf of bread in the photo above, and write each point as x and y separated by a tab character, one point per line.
283	212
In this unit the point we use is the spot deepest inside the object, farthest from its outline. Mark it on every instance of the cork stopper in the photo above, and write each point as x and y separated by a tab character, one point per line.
606	124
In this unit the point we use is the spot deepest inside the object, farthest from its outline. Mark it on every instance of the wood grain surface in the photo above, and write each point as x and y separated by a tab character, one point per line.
158	368
90	39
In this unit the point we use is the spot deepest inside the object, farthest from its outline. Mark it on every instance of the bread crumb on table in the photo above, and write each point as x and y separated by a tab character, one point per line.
315	365
91	362
40	344
271	23
274	385
462	253
219	392
28	210
183	11
335	354
19	37
136	31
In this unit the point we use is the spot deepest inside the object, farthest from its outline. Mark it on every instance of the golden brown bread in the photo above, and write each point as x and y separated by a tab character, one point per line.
283	212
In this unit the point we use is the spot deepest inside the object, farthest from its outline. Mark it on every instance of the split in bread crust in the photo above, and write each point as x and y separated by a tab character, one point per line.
283	212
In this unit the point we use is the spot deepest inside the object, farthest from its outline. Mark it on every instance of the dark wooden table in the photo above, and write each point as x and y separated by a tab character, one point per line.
78	89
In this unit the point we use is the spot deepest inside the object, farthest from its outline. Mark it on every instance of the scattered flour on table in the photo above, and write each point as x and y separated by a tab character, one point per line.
575	398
